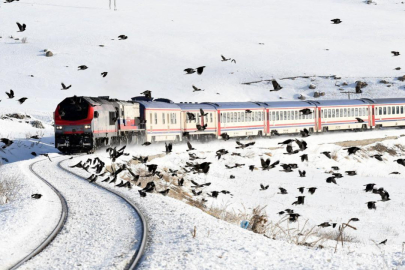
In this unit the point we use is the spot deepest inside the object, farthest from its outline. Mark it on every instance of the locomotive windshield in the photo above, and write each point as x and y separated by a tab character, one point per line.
73	109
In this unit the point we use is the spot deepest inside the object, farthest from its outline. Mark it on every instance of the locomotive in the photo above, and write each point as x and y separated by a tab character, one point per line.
86	123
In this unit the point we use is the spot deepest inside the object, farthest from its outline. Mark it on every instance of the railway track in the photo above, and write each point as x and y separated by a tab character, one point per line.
140	249
139	246
56	230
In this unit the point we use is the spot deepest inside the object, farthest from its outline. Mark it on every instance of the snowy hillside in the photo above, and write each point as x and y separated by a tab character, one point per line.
166	37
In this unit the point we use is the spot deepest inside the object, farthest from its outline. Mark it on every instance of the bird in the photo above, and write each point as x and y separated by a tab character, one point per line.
104	74
275	132
266	164
190	147
46	155
224	58
36	196
385	196
122	37
7	142
371	205
395	173
35	137
164	192
196	89
293	217
336	168
327	154
180	182
146	143
21	27
312	190
397	68
196	185
301	144
354	219
302	173
378	157
276	86
22	100
337	175
168	148
282	191
263	187
305	111
395	53
383	242
351	173
359	120
336	21
304	133
304	157
142	193
220	153
287	141
225	136
301	189
352	150
400	161
299	201
243	146
195	193
82	67
147	93
189	70
324	225
11	94
191	116
192	70
64	87
290	150
201	127
248	111
331	179
203	113
34	154
251	168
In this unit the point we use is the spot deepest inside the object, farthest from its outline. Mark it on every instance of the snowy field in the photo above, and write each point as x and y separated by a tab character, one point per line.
268	39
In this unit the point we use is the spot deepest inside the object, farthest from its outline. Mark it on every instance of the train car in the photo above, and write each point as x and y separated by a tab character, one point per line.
240	119
343	114
190	125
389	112
285	117
161	118
84	123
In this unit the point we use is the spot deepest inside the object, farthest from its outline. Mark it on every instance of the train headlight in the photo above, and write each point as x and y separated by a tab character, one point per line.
87	126
59	127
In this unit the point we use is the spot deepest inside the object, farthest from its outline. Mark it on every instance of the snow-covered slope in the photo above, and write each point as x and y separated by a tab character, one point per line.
166	37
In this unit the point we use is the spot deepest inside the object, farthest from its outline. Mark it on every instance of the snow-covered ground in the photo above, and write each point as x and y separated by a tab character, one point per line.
268	39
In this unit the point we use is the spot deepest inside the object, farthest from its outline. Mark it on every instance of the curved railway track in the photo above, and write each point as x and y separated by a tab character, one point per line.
56	230
140	249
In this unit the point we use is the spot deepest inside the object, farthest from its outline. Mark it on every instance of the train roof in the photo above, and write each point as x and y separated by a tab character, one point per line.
157	104
289	104
388	100
195	106
340	102
236	105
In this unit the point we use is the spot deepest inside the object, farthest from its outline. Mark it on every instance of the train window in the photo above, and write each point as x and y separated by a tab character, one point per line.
352	112
380	110
112	118
242	117
155	118
163	118
393	110
345	110
221	118
357	111
211	117
341	113
333	113
235	117
150	120
402	109
296	115
277	116
337	113
329	113
397	109
389	110
385	110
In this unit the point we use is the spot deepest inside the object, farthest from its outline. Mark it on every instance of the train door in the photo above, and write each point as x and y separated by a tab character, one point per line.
267	122
372	120
319	118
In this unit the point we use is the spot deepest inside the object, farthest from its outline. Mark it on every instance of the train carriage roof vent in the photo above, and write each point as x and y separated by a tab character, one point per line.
141	98
165	100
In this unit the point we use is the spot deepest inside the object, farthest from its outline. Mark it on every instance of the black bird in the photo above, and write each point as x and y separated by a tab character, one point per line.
221	152
46	155
190	147
290	150
146	143
301	144
122	37
192	70
196	185
196	89
377	157
34	154
214	194
36	196
286	167
304	157
352	150
312	190
104	74
189	70
147	93
64	87
371	205
359	120
276	86
397	68
36	137
336	168
281	213
395	173
400	161
248	111
351	173
302	173
201	127
275	132
191	116
106	180
266	164
168	148
251	167
82	67
225	136
304	133
11	94
180	182
282	191
186	135
7	142
243	146
336	21
164	192
227	59
299	201
152	168
331	179
22	100
354	219
263	187
200	70
393	52
141	193
327	154
384	195
306	111
369	187
337	175
202	112
383	242
301	189
150	186
235	154
287	141
21	27
324	225
195	193
293	217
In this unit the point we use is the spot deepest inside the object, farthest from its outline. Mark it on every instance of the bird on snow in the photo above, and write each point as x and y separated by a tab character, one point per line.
327	154
337	175
378	157
243	146
146	143
21	27
276	86
302	173
400	161
225	136
168	148
290	150
196	89
312	190
287	141
336	21
263	187
331	179
351	173
371	205
11	94
304	133
299	201
304	157
352	150
383	242
64	87
336	168
36	196
282	191
301	189
324	225
190	147
266	164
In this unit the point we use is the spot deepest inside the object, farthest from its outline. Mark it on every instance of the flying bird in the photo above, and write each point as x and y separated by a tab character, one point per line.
190	147
196	89
199	70
82	67
378	157
302	173
243	146
359	120
22	100
336	21
312	190
282	191
306	111
276	86
36	196
122	37
21	27
371	205
395	53
11	94
352	150
327	154
147	93
104	74
64	87
263	187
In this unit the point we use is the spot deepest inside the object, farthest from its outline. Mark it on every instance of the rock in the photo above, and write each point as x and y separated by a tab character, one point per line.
37	124
49	54
301	97
383	81
345	83
322	94
316	95
312	86
359	85
336	77
45	50
389	85
402	78
17	116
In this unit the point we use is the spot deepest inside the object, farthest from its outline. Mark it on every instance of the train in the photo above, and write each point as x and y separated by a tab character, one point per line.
83	124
